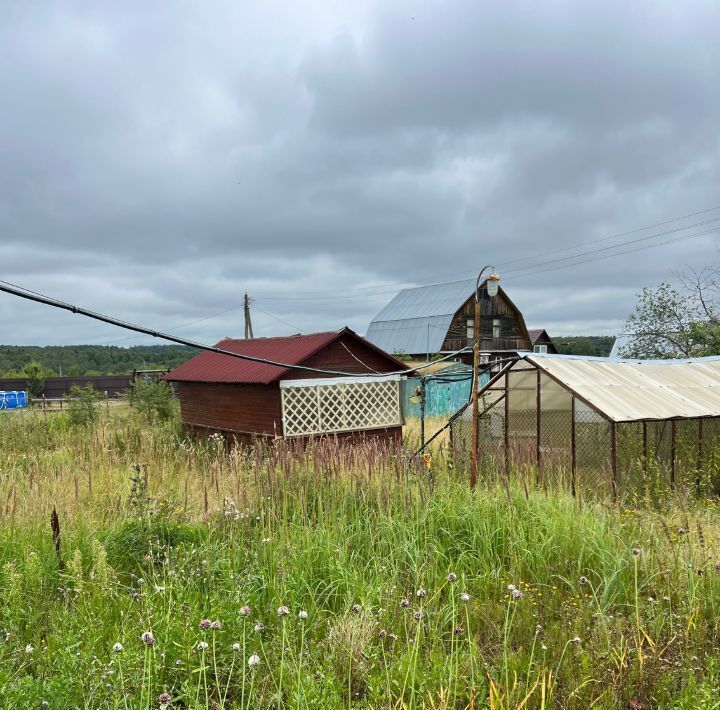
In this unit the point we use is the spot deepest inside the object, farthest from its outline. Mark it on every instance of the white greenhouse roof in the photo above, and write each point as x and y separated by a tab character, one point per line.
635	390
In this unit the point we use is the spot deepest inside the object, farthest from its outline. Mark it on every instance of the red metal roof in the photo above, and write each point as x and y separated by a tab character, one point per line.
293	350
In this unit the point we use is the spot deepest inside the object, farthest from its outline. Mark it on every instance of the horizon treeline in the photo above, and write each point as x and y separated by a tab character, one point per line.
84	360
88	360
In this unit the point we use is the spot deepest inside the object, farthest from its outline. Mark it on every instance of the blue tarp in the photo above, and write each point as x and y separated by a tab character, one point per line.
445	393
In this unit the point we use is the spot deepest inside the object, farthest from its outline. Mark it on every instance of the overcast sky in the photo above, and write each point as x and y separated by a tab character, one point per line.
158	160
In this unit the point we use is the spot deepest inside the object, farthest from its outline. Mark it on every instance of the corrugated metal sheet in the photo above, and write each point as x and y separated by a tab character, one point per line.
633	390
425	301
412	336
213	367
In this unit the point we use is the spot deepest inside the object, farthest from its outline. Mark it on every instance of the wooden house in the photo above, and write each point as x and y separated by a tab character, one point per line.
541	342
244	399
421	322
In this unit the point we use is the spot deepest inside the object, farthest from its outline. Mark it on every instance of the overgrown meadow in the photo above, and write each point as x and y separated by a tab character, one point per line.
178	575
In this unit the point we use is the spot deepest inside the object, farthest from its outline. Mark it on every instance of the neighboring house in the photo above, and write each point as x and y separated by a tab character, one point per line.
541	342
246	400
420	322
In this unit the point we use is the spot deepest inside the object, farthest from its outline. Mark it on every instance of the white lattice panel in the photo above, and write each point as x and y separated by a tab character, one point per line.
323	406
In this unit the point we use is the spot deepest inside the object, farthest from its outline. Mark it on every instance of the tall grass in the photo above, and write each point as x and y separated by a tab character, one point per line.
531	598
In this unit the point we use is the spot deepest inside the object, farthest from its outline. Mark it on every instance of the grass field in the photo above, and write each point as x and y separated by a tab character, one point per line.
176	564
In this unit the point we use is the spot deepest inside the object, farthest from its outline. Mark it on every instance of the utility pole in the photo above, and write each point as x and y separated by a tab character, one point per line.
492	289
248	322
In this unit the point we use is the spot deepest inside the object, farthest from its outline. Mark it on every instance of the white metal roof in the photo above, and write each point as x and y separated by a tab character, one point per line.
417	319
633	390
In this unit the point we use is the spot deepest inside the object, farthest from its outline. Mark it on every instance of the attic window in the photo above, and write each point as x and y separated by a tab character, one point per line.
328	405
540	349
496	327
470	326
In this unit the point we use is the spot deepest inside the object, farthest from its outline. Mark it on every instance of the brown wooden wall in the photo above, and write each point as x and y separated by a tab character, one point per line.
512	331
257	409
253	409
336	357
545	339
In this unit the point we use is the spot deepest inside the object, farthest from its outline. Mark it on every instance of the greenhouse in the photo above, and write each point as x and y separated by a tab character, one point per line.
655	424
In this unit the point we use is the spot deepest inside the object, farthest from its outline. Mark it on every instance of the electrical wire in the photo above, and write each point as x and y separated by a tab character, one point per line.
29	295
328	295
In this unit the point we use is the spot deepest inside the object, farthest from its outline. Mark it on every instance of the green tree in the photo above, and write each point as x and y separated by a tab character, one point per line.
35	374
668	323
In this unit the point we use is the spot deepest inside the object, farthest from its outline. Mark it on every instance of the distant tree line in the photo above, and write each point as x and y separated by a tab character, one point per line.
596	345
88	360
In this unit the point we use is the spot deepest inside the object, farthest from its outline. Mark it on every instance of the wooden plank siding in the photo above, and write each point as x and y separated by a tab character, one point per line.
336	357
247	411
250	409
513	334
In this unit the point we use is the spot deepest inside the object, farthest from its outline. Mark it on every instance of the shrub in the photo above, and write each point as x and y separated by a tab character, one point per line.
154	400
82	407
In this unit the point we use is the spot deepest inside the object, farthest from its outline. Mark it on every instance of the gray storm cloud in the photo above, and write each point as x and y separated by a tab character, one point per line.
159	161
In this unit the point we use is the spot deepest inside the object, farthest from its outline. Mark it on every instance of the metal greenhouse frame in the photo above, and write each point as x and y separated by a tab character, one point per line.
650	425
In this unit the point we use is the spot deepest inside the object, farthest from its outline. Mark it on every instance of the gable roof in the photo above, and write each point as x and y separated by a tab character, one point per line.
417	319
535	334
636	390
293	350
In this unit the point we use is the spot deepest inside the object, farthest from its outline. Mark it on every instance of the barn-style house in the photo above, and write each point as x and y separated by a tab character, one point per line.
420	322
245	400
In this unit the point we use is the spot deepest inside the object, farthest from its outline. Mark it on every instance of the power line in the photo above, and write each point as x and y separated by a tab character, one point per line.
277	318
617	246
328	295
621	253
29	295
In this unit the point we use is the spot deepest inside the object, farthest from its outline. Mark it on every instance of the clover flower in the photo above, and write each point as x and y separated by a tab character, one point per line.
583	580
259	627
302	615
464	597
420	593
215	626
355	608
147	638
205	624
254	661
404	603
382	633
459	630
118	647
517	594
577	640
236	647
452	577
418	615
164	698
29	648
636	551
510	587
282	611
202	646
245	610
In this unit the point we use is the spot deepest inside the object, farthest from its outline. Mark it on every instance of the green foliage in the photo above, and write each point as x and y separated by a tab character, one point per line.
82	408
154	400
80	360
194	533
36	375
669	324
595	345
